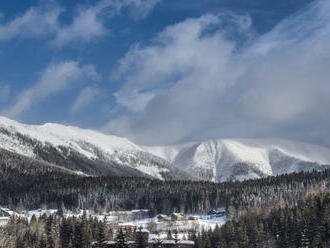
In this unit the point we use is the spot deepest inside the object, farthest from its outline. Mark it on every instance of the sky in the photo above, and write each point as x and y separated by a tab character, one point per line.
169	71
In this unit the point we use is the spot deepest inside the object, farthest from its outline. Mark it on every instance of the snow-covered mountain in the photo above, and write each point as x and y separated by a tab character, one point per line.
93	153
240	159
83	150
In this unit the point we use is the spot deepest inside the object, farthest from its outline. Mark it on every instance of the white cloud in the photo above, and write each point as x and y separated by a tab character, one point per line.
4	93
85	97
55	78
182	55
193	82
35	22
87	25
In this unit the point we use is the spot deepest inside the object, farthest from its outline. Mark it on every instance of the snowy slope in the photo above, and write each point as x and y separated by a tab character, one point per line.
57	143
92	152
60	135
240	159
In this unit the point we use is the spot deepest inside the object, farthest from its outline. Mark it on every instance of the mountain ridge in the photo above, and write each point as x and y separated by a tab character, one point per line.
94	153
217	159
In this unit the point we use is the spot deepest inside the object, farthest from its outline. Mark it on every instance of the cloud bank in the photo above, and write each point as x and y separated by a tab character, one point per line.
195	81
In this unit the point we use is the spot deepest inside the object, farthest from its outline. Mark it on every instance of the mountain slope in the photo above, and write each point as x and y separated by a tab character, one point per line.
240	159
93	153
84	150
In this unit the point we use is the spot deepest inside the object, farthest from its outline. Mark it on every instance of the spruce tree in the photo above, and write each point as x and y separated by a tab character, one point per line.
121	239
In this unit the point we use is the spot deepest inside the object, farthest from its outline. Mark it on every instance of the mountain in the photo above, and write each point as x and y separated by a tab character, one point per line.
84	151
241	159
91	153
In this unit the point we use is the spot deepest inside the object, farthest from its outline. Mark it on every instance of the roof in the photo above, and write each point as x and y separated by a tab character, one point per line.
168	241
177	214
139	210
109	242
186	242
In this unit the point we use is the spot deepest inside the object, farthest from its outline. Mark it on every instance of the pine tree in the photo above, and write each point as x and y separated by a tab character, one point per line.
140	239
65	233
169	234
49	232
100	232
121	239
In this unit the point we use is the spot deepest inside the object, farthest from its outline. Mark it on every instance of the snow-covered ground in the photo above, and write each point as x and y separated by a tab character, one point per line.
204	222
182	227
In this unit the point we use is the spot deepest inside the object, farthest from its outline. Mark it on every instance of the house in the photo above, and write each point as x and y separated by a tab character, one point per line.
168	243
144	233
4	221
4	216
150	244
217	213
138	214
185	244
191	217
177	217
162	217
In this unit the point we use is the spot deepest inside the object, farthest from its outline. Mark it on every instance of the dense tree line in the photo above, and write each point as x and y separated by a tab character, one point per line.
27	185
53	231
306	225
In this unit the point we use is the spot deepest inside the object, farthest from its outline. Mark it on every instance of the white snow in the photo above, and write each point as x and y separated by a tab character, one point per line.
74	137
219	156
86	142
153	171
213	160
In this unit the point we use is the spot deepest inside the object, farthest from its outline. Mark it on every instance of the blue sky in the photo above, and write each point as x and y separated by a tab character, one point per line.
169	71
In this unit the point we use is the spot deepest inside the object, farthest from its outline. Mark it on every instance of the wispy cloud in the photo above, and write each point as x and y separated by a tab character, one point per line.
86	96
87	25
35	22
55	78
5	92
193	82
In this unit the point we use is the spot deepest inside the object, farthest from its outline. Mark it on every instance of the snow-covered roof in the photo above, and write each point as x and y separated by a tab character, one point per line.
167	242
186	242
139	210
110	242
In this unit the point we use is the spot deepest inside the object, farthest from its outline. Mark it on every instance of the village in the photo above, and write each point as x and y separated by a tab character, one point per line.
162	230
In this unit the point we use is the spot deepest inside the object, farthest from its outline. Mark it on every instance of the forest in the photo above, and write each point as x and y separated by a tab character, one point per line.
305	225
282	211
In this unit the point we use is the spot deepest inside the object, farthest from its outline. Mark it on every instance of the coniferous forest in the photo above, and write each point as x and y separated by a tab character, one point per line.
284	211
305	225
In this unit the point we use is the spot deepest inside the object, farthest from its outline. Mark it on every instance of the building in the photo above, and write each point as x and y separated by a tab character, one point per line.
4	221
217	213
191	217
162	217
150	244
185	244
132	215
142	233
4	216
177	217
138	214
